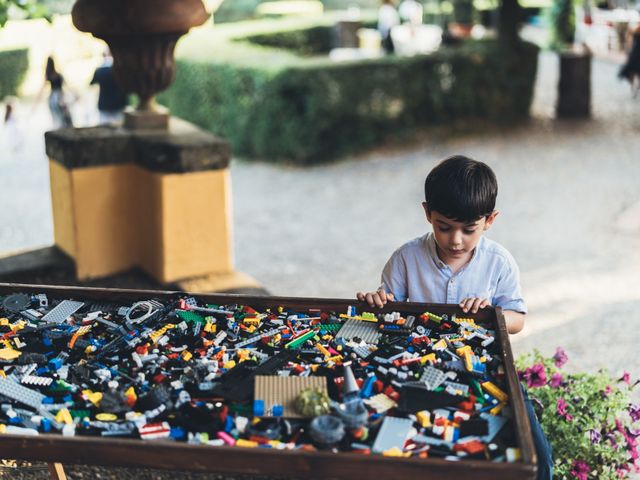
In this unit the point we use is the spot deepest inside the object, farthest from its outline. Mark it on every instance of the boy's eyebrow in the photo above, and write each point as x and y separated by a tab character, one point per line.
470	224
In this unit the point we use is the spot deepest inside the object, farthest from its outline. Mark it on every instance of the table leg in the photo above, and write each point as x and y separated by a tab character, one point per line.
56	471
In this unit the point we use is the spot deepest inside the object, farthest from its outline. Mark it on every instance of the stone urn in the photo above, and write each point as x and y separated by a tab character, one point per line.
142	35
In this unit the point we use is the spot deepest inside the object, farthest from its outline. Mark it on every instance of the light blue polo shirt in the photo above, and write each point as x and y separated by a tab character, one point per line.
415	273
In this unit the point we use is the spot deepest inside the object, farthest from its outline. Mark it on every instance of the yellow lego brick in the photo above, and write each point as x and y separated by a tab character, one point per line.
497	409
494	391
424	418
131	393
186	355
396	452
439	345
323	350
229	365
241	442
431	358
93	397
63	416
107	417
9	354
464	350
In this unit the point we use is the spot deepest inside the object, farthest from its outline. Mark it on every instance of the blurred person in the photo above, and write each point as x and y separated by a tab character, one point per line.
631	69
10	125
112	100
411	12
387	19
58	101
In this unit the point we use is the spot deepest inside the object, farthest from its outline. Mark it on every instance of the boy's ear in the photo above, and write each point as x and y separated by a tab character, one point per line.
427	211
490	218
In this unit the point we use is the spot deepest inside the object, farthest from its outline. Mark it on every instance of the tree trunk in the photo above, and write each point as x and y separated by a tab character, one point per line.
510	17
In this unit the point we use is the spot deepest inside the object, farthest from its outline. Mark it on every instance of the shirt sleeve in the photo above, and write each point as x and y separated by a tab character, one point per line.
508	294
394	277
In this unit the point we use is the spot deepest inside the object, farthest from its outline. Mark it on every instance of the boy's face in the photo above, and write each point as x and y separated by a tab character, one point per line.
456	240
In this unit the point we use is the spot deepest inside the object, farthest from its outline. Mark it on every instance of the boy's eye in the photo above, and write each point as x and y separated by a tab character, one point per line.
444	229
468	232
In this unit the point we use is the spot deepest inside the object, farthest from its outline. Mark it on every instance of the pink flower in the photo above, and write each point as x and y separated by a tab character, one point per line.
634	412
556	380
535	376
607	390
560	357
580	469
561	409
626	378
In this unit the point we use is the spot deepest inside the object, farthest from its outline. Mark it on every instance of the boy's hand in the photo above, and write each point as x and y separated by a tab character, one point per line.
473	304
375	299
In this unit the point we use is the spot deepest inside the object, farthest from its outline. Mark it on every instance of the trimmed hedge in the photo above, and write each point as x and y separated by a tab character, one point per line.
314	110
13	68
306	41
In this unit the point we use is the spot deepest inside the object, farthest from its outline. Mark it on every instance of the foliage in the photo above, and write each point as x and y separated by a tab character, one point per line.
13	68
562	18
463	11
28	8
307	41
588	418
285	107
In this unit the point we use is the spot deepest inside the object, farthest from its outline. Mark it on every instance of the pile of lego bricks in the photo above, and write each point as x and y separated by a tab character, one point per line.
183	370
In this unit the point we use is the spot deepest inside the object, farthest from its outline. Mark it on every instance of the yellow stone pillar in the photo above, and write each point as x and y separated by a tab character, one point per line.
157	200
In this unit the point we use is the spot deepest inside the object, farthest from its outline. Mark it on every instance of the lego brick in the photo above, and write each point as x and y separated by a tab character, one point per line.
366	331
62	311
283	391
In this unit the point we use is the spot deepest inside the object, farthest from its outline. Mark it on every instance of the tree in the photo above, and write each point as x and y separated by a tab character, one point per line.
510	18
29	9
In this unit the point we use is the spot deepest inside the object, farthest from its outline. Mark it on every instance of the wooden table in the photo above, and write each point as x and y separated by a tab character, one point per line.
256	461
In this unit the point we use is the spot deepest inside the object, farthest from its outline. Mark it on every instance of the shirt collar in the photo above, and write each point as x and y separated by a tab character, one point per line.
432	251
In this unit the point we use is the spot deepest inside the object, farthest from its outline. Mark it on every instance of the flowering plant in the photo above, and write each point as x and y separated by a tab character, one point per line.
588	418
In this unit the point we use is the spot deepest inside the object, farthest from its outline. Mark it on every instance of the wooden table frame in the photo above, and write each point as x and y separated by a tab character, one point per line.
257	461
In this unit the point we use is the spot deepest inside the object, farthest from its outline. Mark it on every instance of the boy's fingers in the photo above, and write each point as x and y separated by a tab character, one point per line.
465	304
379	299
390	297
360	296
475	305
369	299
484	303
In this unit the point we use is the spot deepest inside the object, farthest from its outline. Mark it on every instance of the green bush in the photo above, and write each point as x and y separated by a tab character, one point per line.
13	68
562	18
306	41
276	106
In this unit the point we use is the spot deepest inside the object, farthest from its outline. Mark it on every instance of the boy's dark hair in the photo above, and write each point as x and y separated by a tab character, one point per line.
461	189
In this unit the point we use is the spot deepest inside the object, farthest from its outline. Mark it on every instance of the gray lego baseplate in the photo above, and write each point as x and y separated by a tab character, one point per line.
393	434
432	377
62	311
366	331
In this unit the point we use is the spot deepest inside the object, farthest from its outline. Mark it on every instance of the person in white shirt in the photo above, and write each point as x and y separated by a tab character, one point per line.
411	12
387	19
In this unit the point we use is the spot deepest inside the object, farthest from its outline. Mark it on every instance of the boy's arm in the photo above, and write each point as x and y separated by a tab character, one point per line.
393	283
514	320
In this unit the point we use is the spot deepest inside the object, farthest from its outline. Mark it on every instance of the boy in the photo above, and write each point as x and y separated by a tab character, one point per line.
456	264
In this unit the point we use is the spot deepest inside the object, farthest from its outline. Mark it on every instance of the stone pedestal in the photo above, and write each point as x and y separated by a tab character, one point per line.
346	33
574	86
157	200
